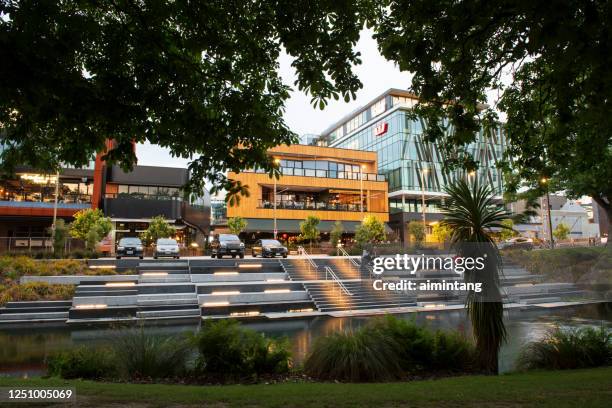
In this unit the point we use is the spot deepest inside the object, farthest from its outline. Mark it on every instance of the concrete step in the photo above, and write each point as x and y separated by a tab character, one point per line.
34	316
168	313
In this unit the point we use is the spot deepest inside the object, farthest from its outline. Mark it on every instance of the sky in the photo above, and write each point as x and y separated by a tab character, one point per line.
376	74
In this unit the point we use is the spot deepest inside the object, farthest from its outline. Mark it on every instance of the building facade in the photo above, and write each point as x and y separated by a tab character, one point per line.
413	167
333	184
130	199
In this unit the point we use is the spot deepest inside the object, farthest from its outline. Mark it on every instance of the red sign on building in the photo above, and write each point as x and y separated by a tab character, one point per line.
381	129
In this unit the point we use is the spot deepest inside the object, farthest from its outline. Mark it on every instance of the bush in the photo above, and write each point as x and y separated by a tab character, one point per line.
363	355
388	348
424	351
416	344
32	291
452	352
228	351
568	349
83	362
141	355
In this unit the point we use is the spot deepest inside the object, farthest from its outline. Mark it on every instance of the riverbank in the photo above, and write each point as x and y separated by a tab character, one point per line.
589	388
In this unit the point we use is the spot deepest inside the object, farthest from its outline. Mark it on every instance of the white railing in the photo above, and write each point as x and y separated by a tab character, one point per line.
330	273
312	265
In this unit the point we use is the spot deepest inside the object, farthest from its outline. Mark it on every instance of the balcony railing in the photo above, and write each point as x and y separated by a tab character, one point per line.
289	171
310	205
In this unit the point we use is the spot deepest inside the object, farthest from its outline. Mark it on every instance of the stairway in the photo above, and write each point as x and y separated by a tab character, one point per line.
35	311
329	297
163	290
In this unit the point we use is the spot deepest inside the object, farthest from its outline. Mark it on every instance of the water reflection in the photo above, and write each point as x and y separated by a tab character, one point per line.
24	350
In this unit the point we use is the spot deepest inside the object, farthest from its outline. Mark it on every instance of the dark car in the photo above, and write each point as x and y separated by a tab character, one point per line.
226	244
268	248
129	247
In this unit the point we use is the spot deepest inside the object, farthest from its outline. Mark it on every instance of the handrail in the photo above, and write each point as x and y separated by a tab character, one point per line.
310	261
329	271
352	260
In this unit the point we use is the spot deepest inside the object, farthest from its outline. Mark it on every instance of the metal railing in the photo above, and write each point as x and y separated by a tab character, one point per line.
312	265
330	273
309	205
352	262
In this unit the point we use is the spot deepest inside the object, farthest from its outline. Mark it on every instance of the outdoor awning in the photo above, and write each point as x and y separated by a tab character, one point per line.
293	226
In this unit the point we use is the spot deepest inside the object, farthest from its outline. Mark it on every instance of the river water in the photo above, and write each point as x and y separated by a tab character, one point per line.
23	350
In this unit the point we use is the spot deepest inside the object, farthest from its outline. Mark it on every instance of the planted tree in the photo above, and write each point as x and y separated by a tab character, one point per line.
370	230
336	233
508	232
91	226
417	232
158	228
60	235
561	232
237	224
309	229
441	232
472	215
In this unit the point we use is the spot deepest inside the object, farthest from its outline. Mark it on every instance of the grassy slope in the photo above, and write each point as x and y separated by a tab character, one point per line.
586	388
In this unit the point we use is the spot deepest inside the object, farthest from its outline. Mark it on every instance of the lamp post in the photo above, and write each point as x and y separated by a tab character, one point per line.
550	232
55	205
423	171
277	162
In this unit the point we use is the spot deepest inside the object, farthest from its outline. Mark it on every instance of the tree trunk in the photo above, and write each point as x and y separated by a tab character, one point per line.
606	204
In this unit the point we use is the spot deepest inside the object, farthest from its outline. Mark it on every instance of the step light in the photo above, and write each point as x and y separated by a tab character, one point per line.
277	290
300	310
245	314
226	292
275	280
225	273
119	284
91	306
215	304
154	274
249	265
102	266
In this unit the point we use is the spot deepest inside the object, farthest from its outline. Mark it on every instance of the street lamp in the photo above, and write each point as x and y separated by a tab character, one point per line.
277	163
423	171
54	225
550	234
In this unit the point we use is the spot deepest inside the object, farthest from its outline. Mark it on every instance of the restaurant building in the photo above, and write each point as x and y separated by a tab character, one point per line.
130	199
330	183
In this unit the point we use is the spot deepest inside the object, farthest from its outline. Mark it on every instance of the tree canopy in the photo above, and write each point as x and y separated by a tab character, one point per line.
200	78
237	224
91	219
549	62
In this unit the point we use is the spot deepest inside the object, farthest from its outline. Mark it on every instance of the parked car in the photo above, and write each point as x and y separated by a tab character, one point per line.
268	248
226	244
166	247
517	243
129	246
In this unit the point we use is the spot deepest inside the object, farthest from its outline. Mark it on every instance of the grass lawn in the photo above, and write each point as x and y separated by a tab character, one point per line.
582	388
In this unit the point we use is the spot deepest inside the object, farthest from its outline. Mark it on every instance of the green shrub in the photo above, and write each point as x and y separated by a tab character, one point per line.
452	352
32	291
142	355
567	349
228	351
362	355
415	344
83	362
424	351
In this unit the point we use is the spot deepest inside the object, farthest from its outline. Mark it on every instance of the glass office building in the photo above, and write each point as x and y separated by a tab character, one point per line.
413	168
